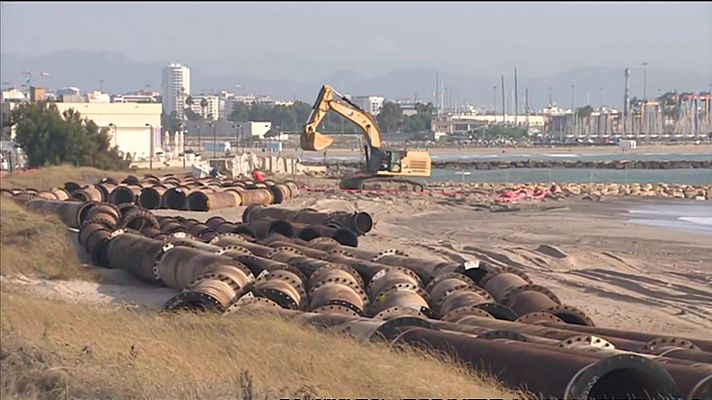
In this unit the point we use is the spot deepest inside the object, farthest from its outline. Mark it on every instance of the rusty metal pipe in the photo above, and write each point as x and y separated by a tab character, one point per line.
136	254
176	198
122	194
151	197
202	201
551	372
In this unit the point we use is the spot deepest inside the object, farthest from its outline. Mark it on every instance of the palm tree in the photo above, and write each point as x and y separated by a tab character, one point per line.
204	106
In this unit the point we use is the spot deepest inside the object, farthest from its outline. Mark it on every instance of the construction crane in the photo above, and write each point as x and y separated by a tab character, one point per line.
382	166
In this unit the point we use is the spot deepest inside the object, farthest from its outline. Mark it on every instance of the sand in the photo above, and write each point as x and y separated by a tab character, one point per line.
624	275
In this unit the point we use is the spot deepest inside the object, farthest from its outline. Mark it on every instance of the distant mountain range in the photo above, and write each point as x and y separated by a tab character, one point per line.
119	73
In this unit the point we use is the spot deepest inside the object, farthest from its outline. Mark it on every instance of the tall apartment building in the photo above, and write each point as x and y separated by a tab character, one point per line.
175	87
371	104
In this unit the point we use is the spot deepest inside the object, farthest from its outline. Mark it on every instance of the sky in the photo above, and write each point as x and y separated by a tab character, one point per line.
308	40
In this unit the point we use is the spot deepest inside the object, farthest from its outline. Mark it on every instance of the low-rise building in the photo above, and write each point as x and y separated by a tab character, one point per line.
371	104
127	124
465	123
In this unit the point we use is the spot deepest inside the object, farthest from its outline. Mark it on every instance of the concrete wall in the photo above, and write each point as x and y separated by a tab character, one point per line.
131	134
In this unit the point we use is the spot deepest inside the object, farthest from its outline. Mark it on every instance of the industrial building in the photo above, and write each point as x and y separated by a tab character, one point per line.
175	88
127	124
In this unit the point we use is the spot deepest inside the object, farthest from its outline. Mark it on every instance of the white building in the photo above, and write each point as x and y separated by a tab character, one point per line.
97	97
126	123
452	124
211	111
175	87
254	129
371	104
13	95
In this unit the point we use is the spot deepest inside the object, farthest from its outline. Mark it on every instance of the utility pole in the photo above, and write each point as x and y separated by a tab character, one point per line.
504	106
494	101
625	101
516	97
551	101
600	95
645	82
437	92
526	108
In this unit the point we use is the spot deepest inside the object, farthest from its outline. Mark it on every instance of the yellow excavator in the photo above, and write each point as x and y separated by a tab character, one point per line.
382	166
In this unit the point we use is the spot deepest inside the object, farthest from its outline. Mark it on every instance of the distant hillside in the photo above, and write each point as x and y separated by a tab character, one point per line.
86	69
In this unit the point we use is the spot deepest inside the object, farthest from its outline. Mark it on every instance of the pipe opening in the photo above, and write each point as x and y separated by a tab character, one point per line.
175	199
149	198
363	222
198	201
308	234
122	194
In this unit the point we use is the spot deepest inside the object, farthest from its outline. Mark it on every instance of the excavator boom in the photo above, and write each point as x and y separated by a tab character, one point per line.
313	140
381	165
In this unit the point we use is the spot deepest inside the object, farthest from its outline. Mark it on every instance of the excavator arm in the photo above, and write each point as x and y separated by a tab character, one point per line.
330	100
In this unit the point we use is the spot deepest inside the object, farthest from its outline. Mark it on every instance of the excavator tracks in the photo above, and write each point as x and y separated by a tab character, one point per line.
380	182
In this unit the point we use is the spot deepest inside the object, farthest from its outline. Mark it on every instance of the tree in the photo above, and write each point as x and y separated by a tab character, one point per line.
204	106
240	112
390	117
49	138
192	115
170	122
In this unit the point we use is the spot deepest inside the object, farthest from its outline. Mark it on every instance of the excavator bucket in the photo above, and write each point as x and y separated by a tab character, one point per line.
314	141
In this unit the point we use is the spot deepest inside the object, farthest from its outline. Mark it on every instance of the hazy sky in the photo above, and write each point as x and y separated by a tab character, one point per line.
291	40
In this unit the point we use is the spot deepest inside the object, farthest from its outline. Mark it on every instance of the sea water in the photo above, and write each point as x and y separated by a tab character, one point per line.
678	215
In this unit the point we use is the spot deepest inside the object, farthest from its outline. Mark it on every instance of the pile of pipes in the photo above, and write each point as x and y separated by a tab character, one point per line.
170	192
487	317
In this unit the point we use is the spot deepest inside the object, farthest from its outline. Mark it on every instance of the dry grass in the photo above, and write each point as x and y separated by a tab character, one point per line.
37	245
46	178
69	351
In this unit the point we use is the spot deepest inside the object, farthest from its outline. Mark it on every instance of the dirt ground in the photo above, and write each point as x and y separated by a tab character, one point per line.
623	275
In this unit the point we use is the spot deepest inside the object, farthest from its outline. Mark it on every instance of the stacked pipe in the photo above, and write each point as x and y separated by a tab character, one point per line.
357	222
451	307
172	192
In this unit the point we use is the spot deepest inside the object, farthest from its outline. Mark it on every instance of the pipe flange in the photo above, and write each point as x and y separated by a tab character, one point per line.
341	252
235	247
512	293
341	303
498	311
215	276
159	259
400	311
326	240
499	270
336	309
388	252
278	297
342	267
570	315
499	334
383	272
228	235
535	318
460	313
285	249
344	282
656	344
296	284
586	341
398	287
249	300
463	286
449	275
193	300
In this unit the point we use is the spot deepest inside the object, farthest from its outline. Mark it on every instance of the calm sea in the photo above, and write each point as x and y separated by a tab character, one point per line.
678	215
